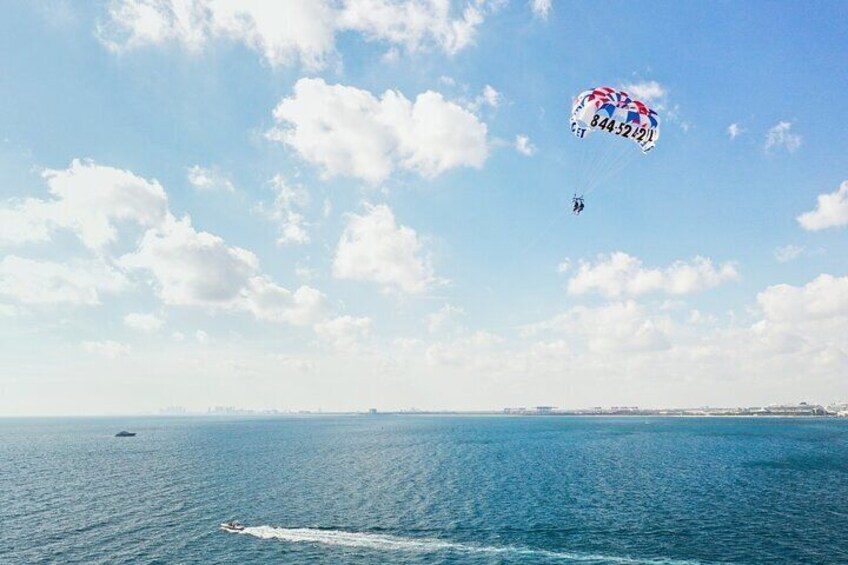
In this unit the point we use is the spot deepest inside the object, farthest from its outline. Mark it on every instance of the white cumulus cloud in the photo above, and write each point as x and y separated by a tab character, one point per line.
188	267
417	24
475	350
284	33
831	211
344	333
619	274
375	248
198	268
148	323
349	131
44	282
191	267
24	222
805	325
826	296
269	301
620	327
89	200
614	327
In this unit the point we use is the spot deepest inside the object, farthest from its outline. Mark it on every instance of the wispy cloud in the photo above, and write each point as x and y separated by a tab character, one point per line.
734	130
523	145
541	8
72	282
649	91
209	179
287	211
656	95
788	253
781	136
107	348
443	317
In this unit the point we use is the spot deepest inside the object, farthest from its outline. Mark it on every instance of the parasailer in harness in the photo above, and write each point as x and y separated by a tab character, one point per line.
577	204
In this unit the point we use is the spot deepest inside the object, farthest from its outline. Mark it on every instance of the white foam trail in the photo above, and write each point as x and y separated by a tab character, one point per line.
384	542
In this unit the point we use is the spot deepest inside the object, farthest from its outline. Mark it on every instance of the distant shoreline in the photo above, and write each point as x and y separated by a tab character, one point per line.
258	414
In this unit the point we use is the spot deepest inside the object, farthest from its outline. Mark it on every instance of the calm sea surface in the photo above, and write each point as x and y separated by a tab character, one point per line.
419	489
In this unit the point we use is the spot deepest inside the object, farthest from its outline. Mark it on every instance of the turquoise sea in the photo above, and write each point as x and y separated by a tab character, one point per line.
425	489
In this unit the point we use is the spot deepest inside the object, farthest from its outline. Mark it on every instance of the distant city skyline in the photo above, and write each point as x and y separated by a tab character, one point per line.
798	408
348	205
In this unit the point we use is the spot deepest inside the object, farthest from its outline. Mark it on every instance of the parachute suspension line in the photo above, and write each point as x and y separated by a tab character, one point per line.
556	219
618	160
606	164
562	210
591	169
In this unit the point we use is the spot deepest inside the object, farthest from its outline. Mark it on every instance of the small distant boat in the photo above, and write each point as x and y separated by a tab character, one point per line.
125	433
233	526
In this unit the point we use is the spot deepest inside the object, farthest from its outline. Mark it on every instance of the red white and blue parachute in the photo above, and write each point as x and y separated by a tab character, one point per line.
615	112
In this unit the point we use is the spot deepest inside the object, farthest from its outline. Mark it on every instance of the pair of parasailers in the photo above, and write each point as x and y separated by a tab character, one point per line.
578	204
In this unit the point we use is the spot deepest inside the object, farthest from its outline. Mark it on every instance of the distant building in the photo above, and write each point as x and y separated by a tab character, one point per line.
802	409
838	408
618	410
545	409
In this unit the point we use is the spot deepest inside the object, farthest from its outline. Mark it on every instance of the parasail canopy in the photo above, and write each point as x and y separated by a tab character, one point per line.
616	113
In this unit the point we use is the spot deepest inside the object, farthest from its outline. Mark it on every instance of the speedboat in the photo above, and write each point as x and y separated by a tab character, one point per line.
125	434
233	526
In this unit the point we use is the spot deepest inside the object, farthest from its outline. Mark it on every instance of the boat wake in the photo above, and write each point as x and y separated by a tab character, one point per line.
389	543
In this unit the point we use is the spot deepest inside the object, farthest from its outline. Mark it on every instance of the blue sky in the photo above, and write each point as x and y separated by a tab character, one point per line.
366	229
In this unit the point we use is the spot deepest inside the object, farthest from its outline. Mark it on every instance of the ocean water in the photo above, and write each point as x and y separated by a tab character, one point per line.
425	489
